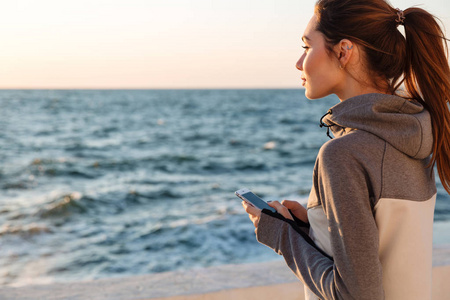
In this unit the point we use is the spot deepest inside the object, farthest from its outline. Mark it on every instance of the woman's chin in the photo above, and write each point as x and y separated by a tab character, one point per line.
311	95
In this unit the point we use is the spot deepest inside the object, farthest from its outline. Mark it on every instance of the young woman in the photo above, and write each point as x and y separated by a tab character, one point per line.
367	233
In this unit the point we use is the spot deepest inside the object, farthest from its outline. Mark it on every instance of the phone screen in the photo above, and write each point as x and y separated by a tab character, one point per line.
258	202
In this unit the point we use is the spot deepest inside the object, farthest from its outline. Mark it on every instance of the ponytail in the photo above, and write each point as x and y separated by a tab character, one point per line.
419	60
427	79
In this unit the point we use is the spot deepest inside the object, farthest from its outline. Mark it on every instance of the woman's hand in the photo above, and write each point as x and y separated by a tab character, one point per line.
296	209
281	209
253	213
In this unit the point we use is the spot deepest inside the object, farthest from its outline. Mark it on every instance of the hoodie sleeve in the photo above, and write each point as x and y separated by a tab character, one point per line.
343	187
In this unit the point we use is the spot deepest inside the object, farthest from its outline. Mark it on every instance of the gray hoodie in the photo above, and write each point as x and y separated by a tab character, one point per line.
370	208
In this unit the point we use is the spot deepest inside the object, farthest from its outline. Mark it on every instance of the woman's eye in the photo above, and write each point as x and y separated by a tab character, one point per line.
305	47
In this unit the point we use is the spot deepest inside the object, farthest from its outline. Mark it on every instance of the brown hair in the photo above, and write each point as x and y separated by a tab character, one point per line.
419	60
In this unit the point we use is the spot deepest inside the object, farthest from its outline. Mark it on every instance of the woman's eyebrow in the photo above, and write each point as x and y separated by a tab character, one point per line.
305	38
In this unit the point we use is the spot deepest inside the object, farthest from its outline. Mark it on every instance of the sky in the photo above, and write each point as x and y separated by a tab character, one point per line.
118	44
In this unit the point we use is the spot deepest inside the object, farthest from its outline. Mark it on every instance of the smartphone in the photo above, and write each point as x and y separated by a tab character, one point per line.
249	197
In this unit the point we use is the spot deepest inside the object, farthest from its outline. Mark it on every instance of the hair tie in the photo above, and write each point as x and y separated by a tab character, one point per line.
400	17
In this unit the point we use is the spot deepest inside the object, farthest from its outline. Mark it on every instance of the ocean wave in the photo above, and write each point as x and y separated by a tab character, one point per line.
95	167
110	202
178	227
156	161
64	206
50	161
167	180
55	172
178	158
288	121
105	132
24	230
20	185
236	142
77	262
252	165
196	136
163	193
61	167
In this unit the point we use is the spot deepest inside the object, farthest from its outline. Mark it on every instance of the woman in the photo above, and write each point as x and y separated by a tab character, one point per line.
370	209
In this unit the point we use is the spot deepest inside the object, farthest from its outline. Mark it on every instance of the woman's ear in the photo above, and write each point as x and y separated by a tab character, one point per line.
344	51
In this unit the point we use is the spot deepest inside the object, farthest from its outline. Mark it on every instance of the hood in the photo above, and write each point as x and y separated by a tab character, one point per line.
404	124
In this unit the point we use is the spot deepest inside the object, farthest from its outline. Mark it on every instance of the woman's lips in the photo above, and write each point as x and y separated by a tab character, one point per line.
303	81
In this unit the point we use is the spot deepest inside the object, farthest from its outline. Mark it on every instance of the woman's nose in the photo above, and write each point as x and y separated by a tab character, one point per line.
299	64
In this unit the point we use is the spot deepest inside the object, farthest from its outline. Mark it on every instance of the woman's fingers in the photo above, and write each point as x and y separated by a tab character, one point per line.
290	204
296	209
251	209
281	209
253	213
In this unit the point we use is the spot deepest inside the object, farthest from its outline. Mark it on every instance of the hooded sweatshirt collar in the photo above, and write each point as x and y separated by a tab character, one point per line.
404	124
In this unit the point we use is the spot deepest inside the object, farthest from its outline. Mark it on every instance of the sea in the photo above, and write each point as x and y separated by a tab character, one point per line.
113	183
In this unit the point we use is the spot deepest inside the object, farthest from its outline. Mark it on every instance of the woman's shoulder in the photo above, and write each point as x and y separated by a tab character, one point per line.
355	144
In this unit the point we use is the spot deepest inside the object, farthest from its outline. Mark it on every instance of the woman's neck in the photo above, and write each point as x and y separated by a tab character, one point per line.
360	83
353	92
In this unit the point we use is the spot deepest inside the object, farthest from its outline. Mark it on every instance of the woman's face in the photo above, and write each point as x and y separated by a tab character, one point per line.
321	74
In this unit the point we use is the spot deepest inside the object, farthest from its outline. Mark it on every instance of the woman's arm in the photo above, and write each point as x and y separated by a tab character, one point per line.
354	272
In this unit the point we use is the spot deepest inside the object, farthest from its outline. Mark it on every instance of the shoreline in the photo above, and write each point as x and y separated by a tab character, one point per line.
267	280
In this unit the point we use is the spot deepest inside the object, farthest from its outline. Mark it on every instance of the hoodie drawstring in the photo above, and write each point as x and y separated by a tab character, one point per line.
322	124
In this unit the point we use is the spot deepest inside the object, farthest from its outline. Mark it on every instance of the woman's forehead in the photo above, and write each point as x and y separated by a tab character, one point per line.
310	30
